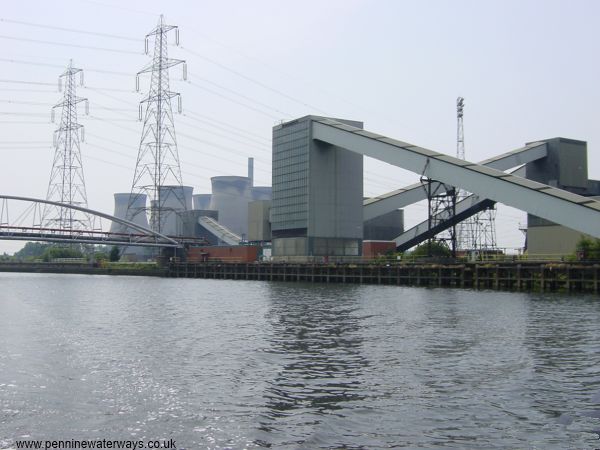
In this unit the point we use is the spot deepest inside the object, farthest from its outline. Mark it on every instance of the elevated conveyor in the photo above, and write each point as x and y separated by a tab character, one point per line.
559	206
465	208
400	198
222	233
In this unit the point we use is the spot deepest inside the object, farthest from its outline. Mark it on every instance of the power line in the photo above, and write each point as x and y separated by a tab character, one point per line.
70	30
23	102
36	83
65	44
33	63
94	2
21	122
262	149
252	80
13	113
231	91
205	117
234	101
22	142
41	91
206	154
104	119
111	109
183	134
392	182
249	139
129	91
204	169
212	119
272	68
36	147
371	180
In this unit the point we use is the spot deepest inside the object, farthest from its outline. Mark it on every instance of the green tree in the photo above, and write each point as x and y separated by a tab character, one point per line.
100	256
437	249
61	252
32	250
588	249
595	250
114	254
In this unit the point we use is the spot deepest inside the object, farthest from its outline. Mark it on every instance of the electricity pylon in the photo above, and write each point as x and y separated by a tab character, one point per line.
67	183
157	171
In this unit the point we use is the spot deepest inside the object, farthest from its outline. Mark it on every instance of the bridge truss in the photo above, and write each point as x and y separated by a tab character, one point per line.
26	225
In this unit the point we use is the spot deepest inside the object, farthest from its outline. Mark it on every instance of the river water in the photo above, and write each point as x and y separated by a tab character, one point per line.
236	364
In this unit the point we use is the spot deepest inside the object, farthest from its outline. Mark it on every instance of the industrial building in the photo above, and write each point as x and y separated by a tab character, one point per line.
316	211
221	217
317	194
317	186
259	221
385	227
564	167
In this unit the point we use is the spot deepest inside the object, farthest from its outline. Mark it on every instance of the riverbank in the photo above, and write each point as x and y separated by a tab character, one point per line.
512	276
85	269
517	276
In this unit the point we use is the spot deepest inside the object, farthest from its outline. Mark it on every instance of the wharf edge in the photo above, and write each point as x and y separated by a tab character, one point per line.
511	276
507	276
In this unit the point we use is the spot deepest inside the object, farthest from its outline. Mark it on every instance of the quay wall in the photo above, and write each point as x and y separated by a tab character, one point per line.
512	276
528	277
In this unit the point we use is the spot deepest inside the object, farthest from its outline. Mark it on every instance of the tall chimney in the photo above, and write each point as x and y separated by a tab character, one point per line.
251	170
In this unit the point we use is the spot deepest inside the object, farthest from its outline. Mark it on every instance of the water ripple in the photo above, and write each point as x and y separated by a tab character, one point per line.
234	364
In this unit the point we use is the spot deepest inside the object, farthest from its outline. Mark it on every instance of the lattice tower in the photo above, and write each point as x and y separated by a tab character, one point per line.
477	232
157	165
67	182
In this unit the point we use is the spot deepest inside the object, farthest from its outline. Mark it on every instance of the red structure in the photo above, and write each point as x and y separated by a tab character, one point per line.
236	253
373	249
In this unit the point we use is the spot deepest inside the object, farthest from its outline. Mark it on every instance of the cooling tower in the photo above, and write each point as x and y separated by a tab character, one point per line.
201	201
174	200
137	211
230	196
262	193
137	215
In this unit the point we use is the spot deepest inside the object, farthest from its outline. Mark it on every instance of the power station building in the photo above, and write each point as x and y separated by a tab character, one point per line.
315	209
317	194
564	167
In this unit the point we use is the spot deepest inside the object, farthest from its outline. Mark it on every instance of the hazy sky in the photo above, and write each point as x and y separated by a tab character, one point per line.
528	70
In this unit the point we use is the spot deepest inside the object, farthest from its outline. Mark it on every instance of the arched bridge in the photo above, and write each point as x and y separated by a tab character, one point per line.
24	228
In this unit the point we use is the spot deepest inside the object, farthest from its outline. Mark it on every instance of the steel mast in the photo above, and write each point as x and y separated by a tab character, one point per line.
67	183
157	164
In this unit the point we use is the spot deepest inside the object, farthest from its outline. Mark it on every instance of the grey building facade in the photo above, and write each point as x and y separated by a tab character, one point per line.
192	228
259	222
385	227
317	194
565	167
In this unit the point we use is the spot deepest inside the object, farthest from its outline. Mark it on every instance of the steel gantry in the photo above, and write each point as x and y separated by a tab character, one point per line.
557	205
